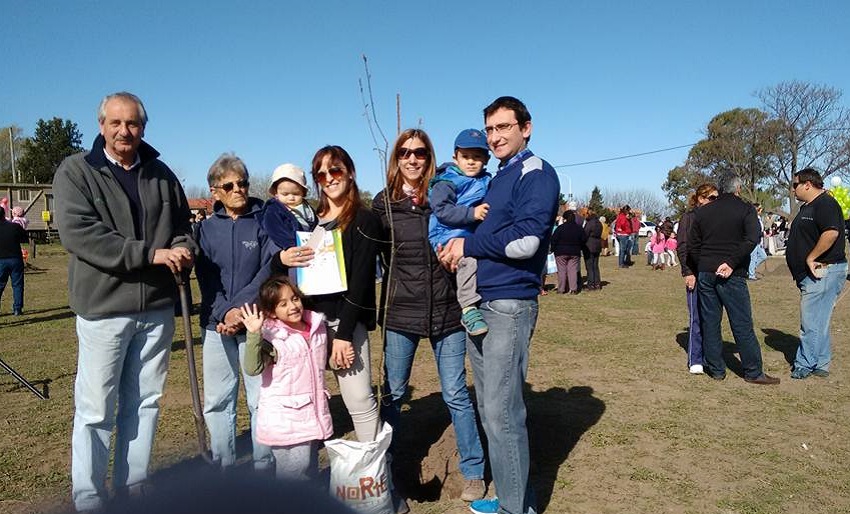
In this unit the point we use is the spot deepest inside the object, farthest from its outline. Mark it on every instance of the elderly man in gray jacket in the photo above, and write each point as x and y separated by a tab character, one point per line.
124	220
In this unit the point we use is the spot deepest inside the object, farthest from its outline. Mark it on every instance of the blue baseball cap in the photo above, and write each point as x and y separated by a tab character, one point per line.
472	138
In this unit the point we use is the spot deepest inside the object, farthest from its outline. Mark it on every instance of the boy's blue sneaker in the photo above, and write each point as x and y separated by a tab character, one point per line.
473	322
485	506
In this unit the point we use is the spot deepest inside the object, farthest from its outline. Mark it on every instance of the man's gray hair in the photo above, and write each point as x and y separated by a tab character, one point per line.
226	163
143	114
729	182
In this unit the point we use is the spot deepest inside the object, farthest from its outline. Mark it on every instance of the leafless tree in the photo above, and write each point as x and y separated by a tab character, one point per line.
815	130
650	203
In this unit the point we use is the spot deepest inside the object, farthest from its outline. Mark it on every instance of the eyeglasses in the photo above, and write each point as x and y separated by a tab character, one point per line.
711	197
228	187
501	128
794	185
420	153
335	173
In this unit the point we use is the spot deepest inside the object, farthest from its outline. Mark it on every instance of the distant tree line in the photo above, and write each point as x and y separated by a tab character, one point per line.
799	125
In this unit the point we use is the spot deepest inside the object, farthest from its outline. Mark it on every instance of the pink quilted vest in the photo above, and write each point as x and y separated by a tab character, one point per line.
293	406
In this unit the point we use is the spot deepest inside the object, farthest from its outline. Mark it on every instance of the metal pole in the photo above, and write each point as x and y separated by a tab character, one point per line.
22	380
200	426
12	155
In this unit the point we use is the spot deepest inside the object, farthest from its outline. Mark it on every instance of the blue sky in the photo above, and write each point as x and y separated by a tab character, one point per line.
275	81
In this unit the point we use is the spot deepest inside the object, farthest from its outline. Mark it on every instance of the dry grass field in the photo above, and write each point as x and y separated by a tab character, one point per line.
617	424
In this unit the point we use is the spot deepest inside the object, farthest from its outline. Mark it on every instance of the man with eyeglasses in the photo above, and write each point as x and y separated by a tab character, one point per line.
124	220
234	260
511	246
721	239
815	256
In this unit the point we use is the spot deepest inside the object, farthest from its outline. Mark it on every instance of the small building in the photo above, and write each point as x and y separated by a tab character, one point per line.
197	205
36	200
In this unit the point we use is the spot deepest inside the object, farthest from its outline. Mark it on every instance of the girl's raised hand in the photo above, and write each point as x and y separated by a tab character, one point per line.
252	318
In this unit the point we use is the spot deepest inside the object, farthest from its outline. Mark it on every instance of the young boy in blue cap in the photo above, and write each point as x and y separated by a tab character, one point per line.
455	196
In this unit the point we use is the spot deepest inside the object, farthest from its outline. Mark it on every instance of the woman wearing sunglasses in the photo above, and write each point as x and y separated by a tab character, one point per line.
418	300
703	195
350	314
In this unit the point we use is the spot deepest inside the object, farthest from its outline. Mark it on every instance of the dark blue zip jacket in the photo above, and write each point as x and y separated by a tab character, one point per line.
512	242
233	262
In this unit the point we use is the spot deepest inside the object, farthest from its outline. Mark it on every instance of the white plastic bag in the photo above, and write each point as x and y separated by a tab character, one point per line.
360	475
551	267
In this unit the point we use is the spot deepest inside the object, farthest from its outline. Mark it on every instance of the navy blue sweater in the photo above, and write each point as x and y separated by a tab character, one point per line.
233	262
512	241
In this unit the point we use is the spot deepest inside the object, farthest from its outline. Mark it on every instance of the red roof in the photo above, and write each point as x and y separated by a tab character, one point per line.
201	203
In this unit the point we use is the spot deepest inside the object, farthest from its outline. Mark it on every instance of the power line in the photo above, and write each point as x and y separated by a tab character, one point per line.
624	156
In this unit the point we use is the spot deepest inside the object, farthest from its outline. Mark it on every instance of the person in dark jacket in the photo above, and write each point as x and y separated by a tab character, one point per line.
721	238
234	260
350	314
567	242
592	249
418	299
12	236
704	194
124	219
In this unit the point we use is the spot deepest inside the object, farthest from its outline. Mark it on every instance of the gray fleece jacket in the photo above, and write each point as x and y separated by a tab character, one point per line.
110	270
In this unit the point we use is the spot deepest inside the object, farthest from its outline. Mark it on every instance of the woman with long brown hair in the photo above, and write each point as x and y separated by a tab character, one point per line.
704	194
351	313
419	300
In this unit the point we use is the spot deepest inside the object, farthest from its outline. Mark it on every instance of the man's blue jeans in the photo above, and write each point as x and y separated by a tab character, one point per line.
13	267
625	250
122	362
499	365
757	257
450	354
715	294
817	301
222	366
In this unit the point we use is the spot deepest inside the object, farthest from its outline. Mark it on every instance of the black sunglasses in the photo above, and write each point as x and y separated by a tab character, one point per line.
419	153
712	197
334	173
228	187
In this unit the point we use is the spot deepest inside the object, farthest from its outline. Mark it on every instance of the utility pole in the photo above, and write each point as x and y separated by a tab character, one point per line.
398	113
12	155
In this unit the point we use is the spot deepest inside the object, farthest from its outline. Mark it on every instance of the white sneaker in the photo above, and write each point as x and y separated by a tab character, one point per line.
696	369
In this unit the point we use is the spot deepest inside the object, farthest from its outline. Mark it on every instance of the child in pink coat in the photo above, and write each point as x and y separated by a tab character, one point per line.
288	345
671	244
659	249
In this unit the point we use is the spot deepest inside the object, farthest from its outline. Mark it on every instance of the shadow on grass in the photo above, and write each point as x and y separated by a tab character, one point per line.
422	424
180	344
782	342
30	317
729	350
557	419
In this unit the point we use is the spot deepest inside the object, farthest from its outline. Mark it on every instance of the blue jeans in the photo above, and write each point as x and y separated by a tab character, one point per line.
817	301
715	294
222	366
499	365
757	257
623	256
122	362
450	354
15	268
635	244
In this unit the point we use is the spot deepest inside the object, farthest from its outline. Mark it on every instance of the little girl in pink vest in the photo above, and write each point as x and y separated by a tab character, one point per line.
288	345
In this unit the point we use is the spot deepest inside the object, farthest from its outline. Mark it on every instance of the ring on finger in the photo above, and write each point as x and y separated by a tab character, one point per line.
298	253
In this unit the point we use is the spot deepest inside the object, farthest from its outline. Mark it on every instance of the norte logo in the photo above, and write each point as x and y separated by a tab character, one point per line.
250	245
